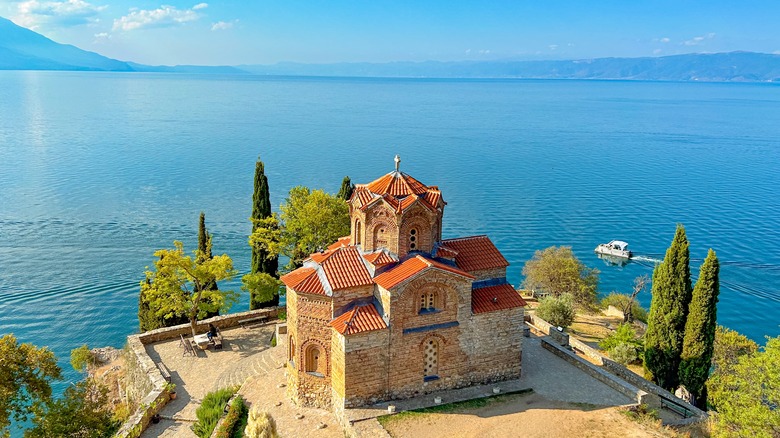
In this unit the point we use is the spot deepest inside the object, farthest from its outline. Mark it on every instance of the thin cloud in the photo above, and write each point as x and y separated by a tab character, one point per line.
33	13
164	16
699	40
223	25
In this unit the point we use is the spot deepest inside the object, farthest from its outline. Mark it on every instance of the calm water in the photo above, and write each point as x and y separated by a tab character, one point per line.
99	170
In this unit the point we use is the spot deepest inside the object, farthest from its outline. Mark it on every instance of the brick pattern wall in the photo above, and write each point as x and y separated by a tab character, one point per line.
364	369
381	228
487	274
308	318
425	222
342	299
494	343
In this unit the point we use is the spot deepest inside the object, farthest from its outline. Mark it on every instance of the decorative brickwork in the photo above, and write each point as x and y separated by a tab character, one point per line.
413	330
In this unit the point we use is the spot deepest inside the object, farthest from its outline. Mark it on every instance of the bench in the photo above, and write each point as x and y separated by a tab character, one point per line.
217	340
164	371
187	347
256	319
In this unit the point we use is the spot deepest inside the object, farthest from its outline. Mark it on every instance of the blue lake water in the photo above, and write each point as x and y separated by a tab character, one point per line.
97	170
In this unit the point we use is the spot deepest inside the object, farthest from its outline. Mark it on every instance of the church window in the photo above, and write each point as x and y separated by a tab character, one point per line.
314	362
357	232
431	360
429	301
412	239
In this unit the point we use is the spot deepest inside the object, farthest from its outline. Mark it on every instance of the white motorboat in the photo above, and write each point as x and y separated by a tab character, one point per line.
615	248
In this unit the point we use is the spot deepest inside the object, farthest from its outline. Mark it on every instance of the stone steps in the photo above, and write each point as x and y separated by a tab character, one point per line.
258	364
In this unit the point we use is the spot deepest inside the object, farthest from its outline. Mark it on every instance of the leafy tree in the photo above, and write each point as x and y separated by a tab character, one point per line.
624	353
621	301
557	271
747	395
729	347
81	358
668	312
83	411
25	375
345	192
176	286
262	259
699	340
625	334
262	289
558	311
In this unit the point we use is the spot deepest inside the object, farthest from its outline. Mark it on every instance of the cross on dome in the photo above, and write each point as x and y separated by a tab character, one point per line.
397	162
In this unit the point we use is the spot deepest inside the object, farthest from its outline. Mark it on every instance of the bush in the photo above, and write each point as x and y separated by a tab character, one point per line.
82	358
624	334
558	311
238	410
260	425
620	300
210	410
624	353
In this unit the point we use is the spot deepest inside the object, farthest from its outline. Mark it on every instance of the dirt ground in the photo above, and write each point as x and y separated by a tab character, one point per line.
524	415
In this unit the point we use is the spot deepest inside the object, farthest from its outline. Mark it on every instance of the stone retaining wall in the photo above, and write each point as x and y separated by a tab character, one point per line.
608	379
549	330
144	378
587	350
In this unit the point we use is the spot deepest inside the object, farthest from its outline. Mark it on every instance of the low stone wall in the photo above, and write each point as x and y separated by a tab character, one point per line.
549	330
608	379
587	350
145	378
640	382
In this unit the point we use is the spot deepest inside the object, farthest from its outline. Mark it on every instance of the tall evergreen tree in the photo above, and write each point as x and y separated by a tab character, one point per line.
262	261
700	327
204	246
668	313
345	192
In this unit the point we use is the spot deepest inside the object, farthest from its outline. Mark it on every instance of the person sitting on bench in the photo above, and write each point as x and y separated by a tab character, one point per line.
212	333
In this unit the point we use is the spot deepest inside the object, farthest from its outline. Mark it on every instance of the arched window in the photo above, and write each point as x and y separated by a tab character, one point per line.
413	239
357	232
314	361
431	359
429	301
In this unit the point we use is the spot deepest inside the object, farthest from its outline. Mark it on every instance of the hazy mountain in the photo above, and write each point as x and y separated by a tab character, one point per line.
23	49
720	67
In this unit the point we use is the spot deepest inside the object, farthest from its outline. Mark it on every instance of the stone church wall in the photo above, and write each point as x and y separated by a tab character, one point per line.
493	343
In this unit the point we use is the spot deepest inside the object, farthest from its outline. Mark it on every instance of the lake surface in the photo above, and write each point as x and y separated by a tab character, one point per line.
98	170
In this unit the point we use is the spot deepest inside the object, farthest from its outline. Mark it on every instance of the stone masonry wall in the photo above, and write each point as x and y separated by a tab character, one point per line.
343	298
365	368
425	222
487	274
308	318
494	343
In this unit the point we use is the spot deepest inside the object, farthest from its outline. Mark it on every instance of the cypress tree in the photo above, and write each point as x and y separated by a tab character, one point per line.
700	328
261	208
345	192
204	246
668	312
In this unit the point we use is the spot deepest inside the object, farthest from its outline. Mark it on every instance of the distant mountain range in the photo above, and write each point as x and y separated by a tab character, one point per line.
23	49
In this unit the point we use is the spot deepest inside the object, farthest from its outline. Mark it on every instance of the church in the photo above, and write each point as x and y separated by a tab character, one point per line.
394	311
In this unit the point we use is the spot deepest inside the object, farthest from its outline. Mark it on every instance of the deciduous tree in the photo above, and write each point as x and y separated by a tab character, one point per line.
262	289
557	271
176	286
26	372
558	311
699	340
668	312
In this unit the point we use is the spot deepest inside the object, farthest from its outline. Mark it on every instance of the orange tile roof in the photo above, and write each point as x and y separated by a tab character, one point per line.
476	253
304	280
493	298
344	268
362	194
411	267
397	184
379	258
358	320
446	252
343	241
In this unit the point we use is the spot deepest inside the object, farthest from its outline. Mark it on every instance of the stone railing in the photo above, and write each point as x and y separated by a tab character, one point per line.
147	378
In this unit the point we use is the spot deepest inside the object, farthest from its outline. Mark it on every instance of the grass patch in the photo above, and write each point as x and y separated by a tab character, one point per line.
451	407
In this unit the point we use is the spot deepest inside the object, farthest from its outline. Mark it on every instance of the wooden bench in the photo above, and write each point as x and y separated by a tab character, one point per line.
256	319
164	371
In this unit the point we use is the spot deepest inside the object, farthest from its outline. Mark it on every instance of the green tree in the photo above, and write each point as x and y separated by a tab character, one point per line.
747	395
26	372
668	312
345	192
81	358
313	220
262	259
262	289
558	311
83	411
176	286
557	271
729	347
699	340
204	246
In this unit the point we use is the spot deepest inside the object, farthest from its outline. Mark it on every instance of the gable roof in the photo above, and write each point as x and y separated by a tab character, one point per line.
379	258
304	280
475	253
358	320
342	241
412	267
493	298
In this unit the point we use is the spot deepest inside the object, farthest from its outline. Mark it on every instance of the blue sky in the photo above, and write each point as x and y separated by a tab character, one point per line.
268	31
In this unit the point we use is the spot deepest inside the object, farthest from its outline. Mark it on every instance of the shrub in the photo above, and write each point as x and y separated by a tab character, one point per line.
620	300
210	411
238	411
82	358
624	334
558	311
624	353
260	425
